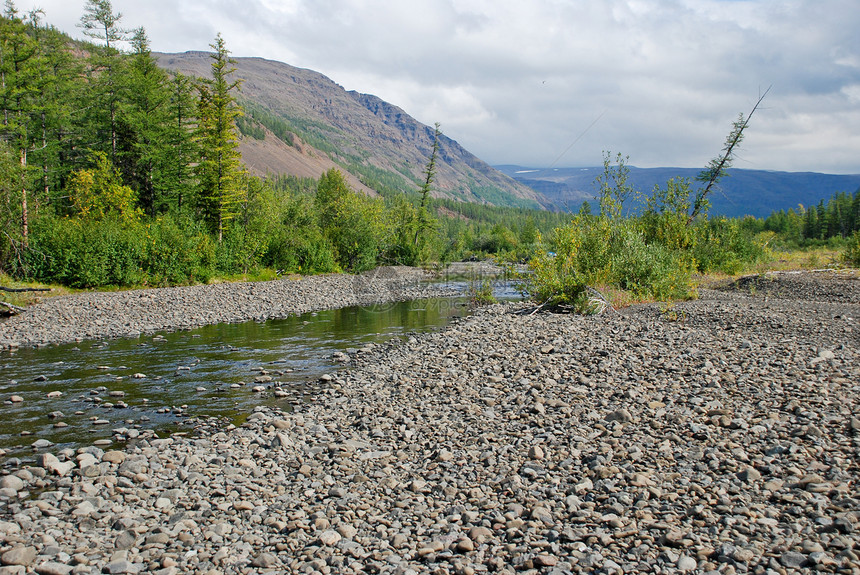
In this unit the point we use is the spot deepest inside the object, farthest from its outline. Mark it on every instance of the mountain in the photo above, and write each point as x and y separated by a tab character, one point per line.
743	192
311	124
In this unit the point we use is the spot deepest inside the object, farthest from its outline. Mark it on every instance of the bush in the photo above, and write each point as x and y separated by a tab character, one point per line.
303	251
351	222
721	244
602	252
84	253
648	270
852	250
178	253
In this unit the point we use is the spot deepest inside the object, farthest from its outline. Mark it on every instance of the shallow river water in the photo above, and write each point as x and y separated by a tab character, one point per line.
77	394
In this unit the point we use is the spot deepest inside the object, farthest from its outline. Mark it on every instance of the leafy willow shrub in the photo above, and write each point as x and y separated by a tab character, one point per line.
598	252
303	251
665	220
85	253
722	244
352	222
648	270
240	251
178	252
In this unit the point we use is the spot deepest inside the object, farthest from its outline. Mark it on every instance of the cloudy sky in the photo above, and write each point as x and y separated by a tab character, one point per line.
557	82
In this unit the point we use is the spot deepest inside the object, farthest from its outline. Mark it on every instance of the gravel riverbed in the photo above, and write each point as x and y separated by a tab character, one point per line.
720	435
100	315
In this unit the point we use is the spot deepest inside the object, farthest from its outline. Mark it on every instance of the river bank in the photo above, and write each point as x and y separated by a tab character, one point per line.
103	315
719	435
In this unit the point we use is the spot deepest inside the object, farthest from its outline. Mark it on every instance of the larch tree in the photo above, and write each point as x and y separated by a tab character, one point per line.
54	139
219	168
182	116
142	147
19	87
425	221
100	23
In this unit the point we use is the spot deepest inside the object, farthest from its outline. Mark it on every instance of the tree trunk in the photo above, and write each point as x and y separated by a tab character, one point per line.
25	223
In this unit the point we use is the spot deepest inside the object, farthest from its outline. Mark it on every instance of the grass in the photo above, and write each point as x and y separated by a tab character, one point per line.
802	259
24	299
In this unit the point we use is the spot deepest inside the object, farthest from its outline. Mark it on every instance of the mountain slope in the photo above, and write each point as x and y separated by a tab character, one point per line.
376	142
742	192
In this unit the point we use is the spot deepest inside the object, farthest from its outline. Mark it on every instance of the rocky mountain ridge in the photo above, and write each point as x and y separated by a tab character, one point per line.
379	145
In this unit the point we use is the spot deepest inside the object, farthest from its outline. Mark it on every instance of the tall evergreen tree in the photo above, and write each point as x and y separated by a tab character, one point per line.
220	165
55	149
178	177
19	73
142	126
99	22
425	222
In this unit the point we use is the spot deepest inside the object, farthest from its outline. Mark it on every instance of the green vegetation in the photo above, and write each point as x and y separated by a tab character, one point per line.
653	256
114	172
481	292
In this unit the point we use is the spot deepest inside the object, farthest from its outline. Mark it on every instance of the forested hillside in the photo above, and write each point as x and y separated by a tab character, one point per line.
115	171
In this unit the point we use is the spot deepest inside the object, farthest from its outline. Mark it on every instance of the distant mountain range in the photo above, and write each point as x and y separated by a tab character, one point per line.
743	192
306	124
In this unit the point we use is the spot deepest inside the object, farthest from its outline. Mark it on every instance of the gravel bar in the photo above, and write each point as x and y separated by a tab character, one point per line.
720	435
101	315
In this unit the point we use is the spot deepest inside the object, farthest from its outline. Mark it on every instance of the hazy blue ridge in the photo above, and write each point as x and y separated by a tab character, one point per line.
743	192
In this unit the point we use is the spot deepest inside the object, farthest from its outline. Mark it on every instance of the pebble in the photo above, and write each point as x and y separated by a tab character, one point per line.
712	444
19	555
102	315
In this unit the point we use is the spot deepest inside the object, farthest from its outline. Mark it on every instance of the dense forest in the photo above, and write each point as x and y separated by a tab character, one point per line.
114	172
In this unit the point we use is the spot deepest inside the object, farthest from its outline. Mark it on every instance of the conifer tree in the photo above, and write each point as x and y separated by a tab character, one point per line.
55	149
220	166
99	22
19	71
182	114
142	122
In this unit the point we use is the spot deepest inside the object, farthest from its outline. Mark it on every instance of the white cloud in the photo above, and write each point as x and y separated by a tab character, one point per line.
518	82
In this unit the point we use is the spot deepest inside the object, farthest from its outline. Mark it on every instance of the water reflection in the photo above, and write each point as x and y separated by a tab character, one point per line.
158	382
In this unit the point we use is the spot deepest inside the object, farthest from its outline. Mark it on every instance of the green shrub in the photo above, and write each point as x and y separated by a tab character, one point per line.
648	270
722	244
178	253
597	251
240	251
84	253
852	250
303	251
481	292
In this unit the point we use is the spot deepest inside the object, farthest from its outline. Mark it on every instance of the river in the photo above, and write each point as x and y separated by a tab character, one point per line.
110	391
